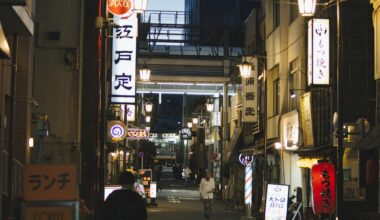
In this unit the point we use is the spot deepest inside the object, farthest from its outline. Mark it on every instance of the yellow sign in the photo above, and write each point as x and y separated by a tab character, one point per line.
50	182
49	212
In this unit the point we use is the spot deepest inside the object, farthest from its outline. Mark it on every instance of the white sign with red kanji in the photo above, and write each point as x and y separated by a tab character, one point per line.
123	81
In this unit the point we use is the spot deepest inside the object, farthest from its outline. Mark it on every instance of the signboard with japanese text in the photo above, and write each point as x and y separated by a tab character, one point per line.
49	212
290	130
116	131
137	134
146	178
130	111
249	93
153	190
216	119
276	206
123	81
120	7
319	52
323	183
307	120
50	182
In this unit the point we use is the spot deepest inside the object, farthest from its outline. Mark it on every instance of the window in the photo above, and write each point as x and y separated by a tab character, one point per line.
276	13
276	97
293	10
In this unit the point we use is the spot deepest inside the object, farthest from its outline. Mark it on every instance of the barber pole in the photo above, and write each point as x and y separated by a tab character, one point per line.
248	184
247	162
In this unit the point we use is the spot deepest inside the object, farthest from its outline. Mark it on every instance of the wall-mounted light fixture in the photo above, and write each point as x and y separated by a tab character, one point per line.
293	92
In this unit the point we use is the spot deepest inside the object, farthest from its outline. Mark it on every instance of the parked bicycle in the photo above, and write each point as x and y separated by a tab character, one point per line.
295	208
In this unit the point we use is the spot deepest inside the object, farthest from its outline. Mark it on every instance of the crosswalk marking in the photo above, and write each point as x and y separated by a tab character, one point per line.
173	199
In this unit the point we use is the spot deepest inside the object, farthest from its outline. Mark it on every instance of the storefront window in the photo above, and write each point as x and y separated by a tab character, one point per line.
352	190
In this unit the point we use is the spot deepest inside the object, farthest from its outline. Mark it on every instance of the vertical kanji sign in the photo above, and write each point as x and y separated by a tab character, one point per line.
123	81
319	52
53	182
249	96
323	179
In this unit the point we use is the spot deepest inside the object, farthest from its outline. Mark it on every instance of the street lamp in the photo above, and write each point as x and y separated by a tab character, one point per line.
245	69
147	119
306	7
210	105
140	6
195	120
144	73
148	107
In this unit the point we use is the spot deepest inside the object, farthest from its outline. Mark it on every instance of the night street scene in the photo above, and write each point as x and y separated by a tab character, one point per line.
189	109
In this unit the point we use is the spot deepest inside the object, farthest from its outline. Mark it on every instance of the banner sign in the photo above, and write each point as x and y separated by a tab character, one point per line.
276	202
249	96
319	52
137	134
307	120
216	119
123	81
323	181
50	182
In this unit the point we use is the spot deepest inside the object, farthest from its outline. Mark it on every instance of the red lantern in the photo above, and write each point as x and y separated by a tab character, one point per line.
323	178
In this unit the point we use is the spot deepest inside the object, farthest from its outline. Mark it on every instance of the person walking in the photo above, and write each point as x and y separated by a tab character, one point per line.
186	174
124	203
206	190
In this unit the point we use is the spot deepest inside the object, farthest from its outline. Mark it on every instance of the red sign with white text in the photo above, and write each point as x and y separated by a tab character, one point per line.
323	178
120	7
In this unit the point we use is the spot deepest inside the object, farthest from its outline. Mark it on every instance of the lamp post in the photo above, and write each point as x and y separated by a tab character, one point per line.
339	107
144	73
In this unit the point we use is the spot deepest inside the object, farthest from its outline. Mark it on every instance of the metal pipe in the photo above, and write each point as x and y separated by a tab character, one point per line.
339	175
12	109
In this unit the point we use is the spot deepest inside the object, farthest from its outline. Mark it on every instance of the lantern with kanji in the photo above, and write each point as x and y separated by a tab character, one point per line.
323	178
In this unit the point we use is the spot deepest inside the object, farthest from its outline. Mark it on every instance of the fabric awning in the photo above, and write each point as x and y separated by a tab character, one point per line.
4	47
372	140
233	141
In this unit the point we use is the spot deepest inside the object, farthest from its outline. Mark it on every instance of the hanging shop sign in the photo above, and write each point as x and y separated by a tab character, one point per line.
290	130
323	183
307	120
249	96
53	182
129	111
123	81
186	133
116	131
276	202
146	178
319	52
137	134
216	119
120	7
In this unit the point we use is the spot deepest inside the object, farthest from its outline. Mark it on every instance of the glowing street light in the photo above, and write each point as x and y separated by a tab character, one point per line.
306	7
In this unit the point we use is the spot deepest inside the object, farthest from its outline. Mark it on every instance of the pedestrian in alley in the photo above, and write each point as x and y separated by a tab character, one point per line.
186	174
206	190
124	203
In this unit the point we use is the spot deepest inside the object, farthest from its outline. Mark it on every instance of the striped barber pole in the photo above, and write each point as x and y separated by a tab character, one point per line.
248	184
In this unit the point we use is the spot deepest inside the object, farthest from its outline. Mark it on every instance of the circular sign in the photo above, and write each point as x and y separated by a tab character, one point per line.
120	7
141	154
245	160
117	131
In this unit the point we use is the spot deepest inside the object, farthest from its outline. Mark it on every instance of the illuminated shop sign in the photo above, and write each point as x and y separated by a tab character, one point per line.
319	52
323	181
249	99
123	81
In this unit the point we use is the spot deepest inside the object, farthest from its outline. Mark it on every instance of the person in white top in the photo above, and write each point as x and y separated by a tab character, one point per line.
206	191
186	174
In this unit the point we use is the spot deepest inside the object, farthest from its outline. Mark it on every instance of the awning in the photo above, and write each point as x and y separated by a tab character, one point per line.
233	141
4	47
372	140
